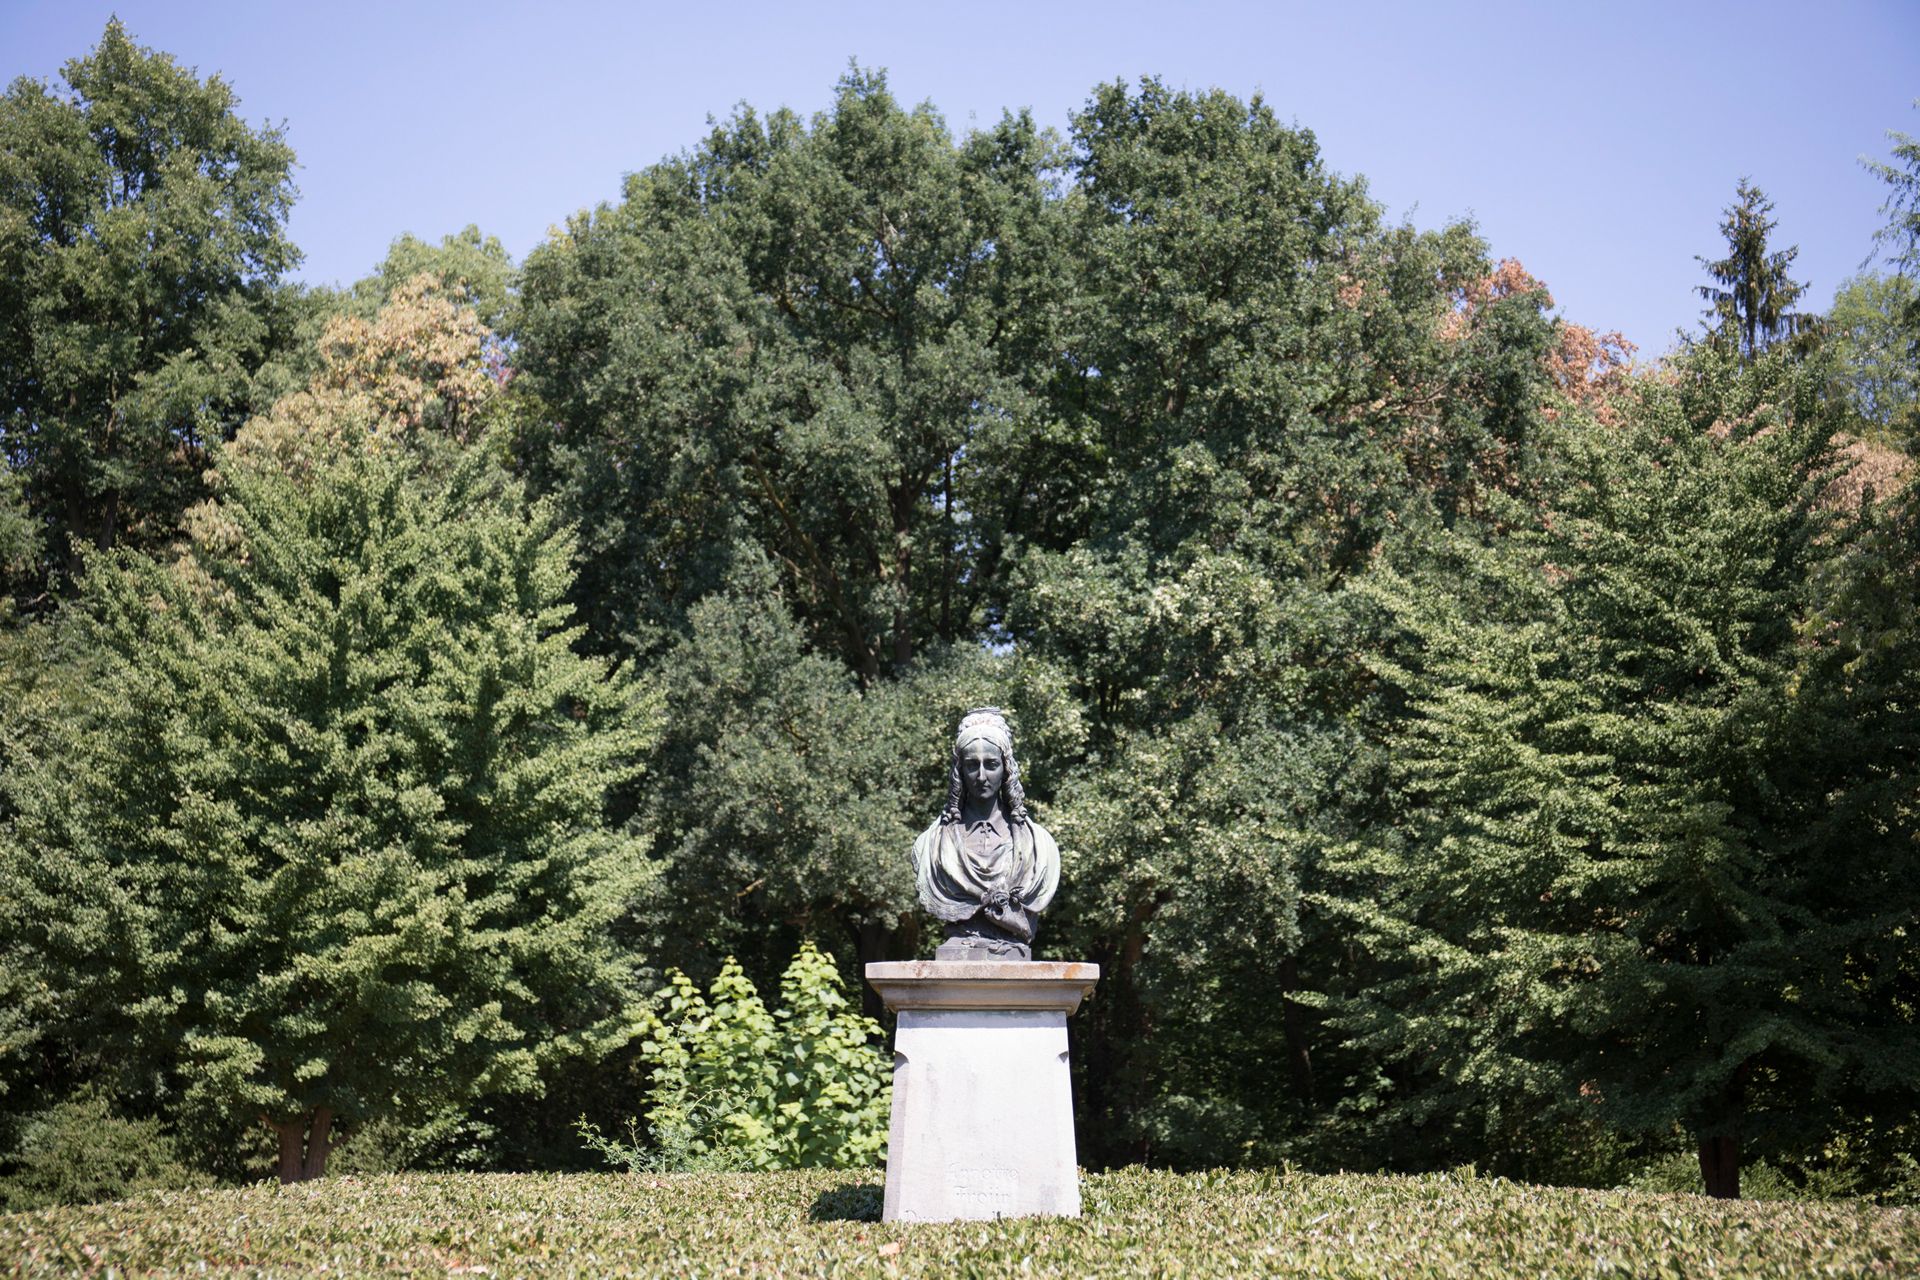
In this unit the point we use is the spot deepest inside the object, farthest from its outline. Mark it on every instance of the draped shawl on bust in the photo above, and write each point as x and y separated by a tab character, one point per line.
955	881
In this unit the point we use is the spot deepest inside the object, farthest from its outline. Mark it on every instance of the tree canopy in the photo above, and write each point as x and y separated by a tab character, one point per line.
1465	742
331	840
1750	302
142	241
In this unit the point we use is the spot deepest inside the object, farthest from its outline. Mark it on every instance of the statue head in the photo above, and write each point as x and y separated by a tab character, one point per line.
983	766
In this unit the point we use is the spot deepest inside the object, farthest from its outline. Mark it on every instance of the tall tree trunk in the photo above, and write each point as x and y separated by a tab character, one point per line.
303	1153
1720	1165
1117	1042
1293	1027
292	1134
319	1145
1720	1139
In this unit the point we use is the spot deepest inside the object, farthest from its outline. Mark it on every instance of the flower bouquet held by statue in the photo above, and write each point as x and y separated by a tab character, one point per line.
985	868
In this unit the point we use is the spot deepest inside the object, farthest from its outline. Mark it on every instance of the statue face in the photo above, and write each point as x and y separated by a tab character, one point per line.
982	770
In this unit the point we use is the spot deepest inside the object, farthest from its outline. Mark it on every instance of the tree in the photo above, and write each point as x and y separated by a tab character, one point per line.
141	244
784	800
1619	888
333	839
1751	301
472	268
805	339
19	539
865	426
784	376
1261	382
412	376
1871	334
1899	240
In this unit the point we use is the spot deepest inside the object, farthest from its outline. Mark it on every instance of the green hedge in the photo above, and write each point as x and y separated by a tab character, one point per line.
819	1222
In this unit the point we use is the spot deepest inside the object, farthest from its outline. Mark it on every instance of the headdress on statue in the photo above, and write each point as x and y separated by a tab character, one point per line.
984	722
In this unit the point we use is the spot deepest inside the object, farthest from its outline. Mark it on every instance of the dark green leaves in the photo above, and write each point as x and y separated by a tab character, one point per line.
141	242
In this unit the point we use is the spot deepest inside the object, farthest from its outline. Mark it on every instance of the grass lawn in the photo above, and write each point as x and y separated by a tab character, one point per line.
820	1223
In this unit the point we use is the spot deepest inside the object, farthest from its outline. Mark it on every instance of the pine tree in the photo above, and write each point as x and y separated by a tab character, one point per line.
1899	243
1751	299
1900	238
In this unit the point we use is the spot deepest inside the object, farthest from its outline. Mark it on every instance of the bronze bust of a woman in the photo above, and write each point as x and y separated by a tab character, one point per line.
985	867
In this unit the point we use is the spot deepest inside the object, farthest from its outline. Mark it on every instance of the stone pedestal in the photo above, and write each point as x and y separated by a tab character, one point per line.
982	1102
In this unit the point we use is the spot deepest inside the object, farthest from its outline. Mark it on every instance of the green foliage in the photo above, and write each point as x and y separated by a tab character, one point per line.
783	794
734	1086
1899	243
714	1071
1864	1161
1265	381
835	1080
332	835
1871	329
434	1138
473	268
46	672
1679	1173
19	536
141	245
1899	240
1621	889
1134	408
1453	1226
810	339
1750	303
1460	747
80	1150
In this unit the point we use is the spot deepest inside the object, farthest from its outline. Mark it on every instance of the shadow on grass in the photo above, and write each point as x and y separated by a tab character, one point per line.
848	1202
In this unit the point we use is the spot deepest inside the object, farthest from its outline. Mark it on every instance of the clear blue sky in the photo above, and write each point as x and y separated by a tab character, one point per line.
1597	143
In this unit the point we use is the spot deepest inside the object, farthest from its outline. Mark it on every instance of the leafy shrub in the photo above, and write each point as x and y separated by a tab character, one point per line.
1185	1132
1866	1162
1680	1173
1871	1159
734	1086
835	1087
819	1223
442	1138
79	1151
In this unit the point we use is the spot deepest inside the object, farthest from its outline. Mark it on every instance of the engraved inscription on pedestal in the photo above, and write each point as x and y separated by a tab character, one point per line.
983	1191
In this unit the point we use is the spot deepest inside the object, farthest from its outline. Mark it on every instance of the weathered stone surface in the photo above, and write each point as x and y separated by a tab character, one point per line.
982	1122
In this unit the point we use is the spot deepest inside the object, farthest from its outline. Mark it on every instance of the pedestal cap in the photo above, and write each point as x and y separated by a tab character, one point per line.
1057	985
